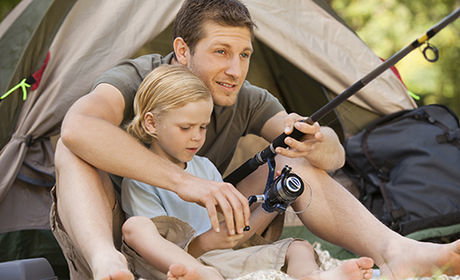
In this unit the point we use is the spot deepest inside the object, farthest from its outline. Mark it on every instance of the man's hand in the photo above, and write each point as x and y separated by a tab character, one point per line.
304	146
218	196
212	240
319	145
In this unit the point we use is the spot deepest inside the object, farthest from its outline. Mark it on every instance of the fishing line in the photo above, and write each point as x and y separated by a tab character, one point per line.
261	158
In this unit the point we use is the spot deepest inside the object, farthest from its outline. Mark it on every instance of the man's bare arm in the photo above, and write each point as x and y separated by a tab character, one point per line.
90	130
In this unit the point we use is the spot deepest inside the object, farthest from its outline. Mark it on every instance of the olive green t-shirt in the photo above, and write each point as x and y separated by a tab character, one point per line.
253	108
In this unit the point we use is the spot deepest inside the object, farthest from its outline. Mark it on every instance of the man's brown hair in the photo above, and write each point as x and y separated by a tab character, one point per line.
193	13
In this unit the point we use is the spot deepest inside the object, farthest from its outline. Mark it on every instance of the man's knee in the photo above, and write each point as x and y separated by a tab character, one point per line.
65	158
60	154
294	163
301	167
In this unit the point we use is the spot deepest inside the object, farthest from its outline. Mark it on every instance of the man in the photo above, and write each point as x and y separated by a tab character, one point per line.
213	39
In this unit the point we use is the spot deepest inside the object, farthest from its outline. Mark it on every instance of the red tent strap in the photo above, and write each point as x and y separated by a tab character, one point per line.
36	77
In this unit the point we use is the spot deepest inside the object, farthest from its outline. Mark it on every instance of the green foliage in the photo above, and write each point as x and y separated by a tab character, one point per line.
6	6
389	25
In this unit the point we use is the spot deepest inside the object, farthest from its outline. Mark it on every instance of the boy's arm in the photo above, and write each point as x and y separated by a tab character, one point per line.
211	240
90	131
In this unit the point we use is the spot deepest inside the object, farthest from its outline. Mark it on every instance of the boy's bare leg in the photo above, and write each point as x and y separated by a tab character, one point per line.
85	201
338	217
141	234
301	264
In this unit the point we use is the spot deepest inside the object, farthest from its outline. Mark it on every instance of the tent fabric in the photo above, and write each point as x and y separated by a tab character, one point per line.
317	43
96	35
69	75
26	34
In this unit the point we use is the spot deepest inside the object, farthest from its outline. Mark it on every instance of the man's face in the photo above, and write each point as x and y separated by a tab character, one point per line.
221	60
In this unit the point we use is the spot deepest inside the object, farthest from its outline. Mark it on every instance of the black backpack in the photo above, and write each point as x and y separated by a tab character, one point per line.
407	167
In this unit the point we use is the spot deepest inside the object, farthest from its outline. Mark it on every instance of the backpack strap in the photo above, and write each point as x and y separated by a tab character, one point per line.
450	135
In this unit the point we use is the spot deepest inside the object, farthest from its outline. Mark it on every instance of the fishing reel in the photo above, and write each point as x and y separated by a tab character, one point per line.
279	192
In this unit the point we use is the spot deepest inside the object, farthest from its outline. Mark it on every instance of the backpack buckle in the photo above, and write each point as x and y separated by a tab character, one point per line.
450	136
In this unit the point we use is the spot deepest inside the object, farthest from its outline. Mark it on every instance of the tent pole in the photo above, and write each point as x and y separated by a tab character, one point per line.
260	158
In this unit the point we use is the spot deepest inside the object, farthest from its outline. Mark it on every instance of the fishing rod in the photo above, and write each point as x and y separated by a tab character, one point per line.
269	152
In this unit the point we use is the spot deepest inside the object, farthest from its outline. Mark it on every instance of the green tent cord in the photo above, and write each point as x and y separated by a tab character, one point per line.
23	85
413	95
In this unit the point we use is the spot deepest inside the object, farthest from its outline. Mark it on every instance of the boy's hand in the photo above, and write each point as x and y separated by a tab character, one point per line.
212	240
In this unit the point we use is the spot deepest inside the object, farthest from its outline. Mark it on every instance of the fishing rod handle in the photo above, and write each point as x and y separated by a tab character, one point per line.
296	134
269	151
261	157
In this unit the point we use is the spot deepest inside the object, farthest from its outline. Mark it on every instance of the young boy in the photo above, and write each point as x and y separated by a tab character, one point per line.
172	110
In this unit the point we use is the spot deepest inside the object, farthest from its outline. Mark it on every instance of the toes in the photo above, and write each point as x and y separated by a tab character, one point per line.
120	275
368	274
365	263
177	270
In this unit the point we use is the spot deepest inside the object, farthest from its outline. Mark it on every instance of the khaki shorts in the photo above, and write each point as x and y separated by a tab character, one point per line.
229	262
80	270
78	267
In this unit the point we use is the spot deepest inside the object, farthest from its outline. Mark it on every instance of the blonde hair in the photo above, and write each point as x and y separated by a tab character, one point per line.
167	87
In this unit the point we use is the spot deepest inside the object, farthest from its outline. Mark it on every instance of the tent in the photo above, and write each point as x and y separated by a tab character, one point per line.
304	54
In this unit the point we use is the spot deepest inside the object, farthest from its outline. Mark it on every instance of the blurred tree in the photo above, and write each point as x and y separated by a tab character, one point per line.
389	25
6	6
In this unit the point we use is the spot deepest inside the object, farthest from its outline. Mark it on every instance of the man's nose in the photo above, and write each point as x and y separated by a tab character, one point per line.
234	67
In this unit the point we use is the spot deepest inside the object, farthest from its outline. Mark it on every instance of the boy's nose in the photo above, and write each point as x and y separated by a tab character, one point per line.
196	136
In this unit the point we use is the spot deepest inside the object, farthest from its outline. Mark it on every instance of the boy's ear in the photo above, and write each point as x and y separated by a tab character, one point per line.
150	123
181	50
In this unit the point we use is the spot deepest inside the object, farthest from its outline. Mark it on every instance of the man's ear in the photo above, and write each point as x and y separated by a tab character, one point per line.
181	50
150	123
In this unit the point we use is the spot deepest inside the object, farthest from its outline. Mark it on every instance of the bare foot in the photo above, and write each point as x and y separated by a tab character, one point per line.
120	275
354	269
180	272
112	266
423	259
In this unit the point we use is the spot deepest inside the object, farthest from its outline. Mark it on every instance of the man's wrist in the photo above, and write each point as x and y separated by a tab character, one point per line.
177	177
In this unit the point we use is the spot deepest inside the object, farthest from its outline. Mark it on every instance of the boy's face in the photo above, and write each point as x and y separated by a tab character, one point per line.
221	60
181	132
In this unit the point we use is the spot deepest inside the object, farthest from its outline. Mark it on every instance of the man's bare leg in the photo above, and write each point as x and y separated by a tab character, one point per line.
85	201
338	217
141	234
